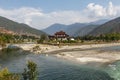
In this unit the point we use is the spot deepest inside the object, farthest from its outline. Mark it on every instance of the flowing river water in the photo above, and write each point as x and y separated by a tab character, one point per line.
53	68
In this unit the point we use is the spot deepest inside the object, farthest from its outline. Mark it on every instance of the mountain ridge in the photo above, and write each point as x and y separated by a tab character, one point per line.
73	29
19	28
112	26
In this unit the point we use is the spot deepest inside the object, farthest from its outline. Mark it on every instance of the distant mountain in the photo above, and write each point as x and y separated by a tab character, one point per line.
76	29
69	29
73	28
82	29
99	22
55	28
18	28
85	30
109	27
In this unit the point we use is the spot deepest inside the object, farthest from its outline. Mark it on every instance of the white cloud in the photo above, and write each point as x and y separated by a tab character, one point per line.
112	10
38	19
96	10
23	15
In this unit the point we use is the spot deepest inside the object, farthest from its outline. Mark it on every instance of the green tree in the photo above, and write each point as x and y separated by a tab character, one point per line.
6	75
31	72
25	74
42	39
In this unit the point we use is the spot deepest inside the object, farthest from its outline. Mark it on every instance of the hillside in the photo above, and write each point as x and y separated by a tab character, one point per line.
112	26
85	30
73	28
4	31
18	28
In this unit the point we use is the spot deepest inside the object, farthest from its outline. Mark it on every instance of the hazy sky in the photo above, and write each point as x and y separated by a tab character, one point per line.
42	13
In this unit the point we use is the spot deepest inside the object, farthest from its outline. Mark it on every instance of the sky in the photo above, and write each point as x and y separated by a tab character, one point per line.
43	13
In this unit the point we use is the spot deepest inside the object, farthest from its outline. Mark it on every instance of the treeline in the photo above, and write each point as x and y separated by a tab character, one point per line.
8	38
102	37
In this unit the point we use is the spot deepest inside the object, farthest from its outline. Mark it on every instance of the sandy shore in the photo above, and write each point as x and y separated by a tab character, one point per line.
82	53
87	56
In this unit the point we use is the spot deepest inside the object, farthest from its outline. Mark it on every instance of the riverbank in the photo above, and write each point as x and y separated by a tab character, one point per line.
85	54
50	48
80	53
90	56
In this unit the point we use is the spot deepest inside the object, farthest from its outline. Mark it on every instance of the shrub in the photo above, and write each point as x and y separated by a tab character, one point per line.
6	75
31	72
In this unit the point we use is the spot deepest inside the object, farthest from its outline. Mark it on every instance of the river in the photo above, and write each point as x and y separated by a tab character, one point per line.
53	68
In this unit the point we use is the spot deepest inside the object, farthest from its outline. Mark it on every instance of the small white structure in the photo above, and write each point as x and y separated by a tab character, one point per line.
72	39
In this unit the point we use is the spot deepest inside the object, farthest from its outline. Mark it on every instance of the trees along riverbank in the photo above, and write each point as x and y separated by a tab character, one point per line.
30	73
